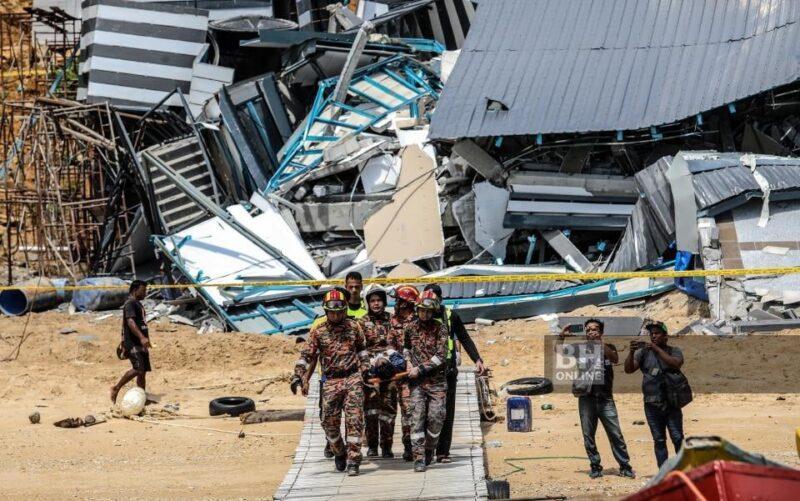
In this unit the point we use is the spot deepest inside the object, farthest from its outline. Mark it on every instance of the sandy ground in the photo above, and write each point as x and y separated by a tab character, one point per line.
195	456
69	375
744	410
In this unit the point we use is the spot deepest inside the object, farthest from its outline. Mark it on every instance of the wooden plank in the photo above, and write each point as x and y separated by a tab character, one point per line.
312	476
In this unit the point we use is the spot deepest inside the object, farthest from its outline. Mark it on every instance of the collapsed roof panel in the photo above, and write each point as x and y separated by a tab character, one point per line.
612	65
719	183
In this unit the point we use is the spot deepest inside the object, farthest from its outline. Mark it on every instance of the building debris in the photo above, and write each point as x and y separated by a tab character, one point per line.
241	144
403	229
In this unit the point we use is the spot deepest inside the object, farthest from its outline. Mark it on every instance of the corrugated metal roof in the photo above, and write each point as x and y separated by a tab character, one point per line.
601	65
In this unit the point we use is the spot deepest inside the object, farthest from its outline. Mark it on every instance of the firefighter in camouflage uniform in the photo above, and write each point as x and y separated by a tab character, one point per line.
380	402
406	297
425	343
340	346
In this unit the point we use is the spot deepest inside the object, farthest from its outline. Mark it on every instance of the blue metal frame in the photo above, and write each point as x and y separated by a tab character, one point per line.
424	45
405	71
269	313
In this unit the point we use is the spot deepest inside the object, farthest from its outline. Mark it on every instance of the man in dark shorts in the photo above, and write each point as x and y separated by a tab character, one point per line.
135	338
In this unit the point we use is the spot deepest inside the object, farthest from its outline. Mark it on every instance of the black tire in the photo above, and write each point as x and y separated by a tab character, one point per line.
232	406
529	386
498	489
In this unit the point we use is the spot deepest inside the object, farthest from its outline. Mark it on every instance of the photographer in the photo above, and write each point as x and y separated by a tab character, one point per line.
596	401
653	358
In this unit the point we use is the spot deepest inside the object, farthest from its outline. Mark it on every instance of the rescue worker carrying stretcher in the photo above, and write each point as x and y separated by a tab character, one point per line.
380	401
340	346
406	297
425	349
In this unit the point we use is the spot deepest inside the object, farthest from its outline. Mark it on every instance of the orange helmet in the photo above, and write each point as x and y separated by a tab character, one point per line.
407	293
334	300
428	300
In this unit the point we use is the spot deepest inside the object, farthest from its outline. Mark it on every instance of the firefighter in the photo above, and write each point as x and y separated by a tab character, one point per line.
380	403
340	346
425	349
458	335
406	297
355	309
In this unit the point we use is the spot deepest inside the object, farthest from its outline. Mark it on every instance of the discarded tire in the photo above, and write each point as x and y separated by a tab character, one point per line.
233	406
498	489
529	386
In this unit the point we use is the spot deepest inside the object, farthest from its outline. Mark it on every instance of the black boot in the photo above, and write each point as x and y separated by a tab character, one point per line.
428	457
341	462
328	452
419	466
352	470
408	455
386	452
372	452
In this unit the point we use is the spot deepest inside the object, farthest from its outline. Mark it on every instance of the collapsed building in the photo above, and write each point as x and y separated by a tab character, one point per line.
302	141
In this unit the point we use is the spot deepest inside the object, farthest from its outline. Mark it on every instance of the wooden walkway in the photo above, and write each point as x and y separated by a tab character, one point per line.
314	477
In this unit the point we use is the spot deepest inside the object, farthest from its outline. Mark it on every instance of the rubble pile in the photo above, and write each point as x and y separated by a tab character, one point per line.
428	138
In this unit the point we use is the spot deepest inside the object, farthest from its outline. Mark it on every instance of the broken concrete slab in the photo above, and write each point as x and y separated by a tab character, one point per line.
336	261
404	229
567	250
315	217
490	209
406	270
482	162
463	211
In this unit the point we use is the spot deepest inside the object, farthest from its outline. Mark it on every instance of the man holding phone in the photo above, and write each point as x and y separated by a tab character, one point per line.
596	401
652	358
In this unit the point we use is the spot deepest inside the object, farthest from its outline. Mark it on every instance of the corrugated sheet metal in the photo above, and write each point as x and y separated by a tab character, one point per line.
601	65
712	187
721	183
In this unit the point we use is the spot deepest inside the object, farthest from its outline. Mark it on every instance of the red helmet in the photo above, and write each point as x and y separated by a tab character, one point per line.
334	300
407	293
428	300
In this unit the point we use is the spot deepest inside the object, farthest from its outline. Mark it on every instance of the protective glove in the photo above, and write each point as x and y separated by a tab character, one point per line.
295	384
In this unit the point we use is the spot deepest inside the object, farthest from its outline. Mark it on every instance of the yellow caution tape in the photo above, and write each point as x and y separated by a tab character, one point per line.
544	277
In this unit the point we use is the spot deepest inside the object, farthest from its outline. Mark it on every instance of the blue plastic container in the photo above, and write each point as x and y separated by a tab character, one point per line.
518	414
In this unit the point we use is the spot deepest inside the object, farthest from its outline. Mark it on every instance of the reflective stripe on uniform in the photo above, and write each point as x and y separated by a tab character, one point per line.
386	418
436	361
302	362
332	438
354	440
372	412
451	345
432	435
417	436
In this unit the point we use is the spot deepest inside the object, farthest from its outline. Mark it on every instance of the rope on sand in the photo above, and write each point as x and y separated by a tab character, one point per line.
204	428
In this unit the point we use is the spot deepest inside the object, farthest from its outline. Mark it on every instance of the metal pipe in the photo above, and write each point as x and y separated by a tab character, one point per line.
48	294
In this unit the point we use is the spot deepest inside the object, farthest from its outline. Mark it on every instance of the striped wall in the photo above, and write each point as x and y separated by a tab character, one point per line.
133	54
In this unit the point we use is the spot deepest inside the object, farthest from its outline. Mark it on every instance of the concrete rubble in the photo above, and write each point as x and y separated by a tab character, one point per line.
306	140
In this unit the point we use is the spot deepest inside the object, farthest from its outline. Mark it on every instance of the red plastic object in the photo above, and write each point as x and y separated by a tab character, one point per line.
728	481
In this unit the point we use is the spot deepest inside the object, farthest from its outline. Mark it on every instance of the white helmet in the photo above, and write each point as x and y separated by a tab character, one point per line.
375	289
